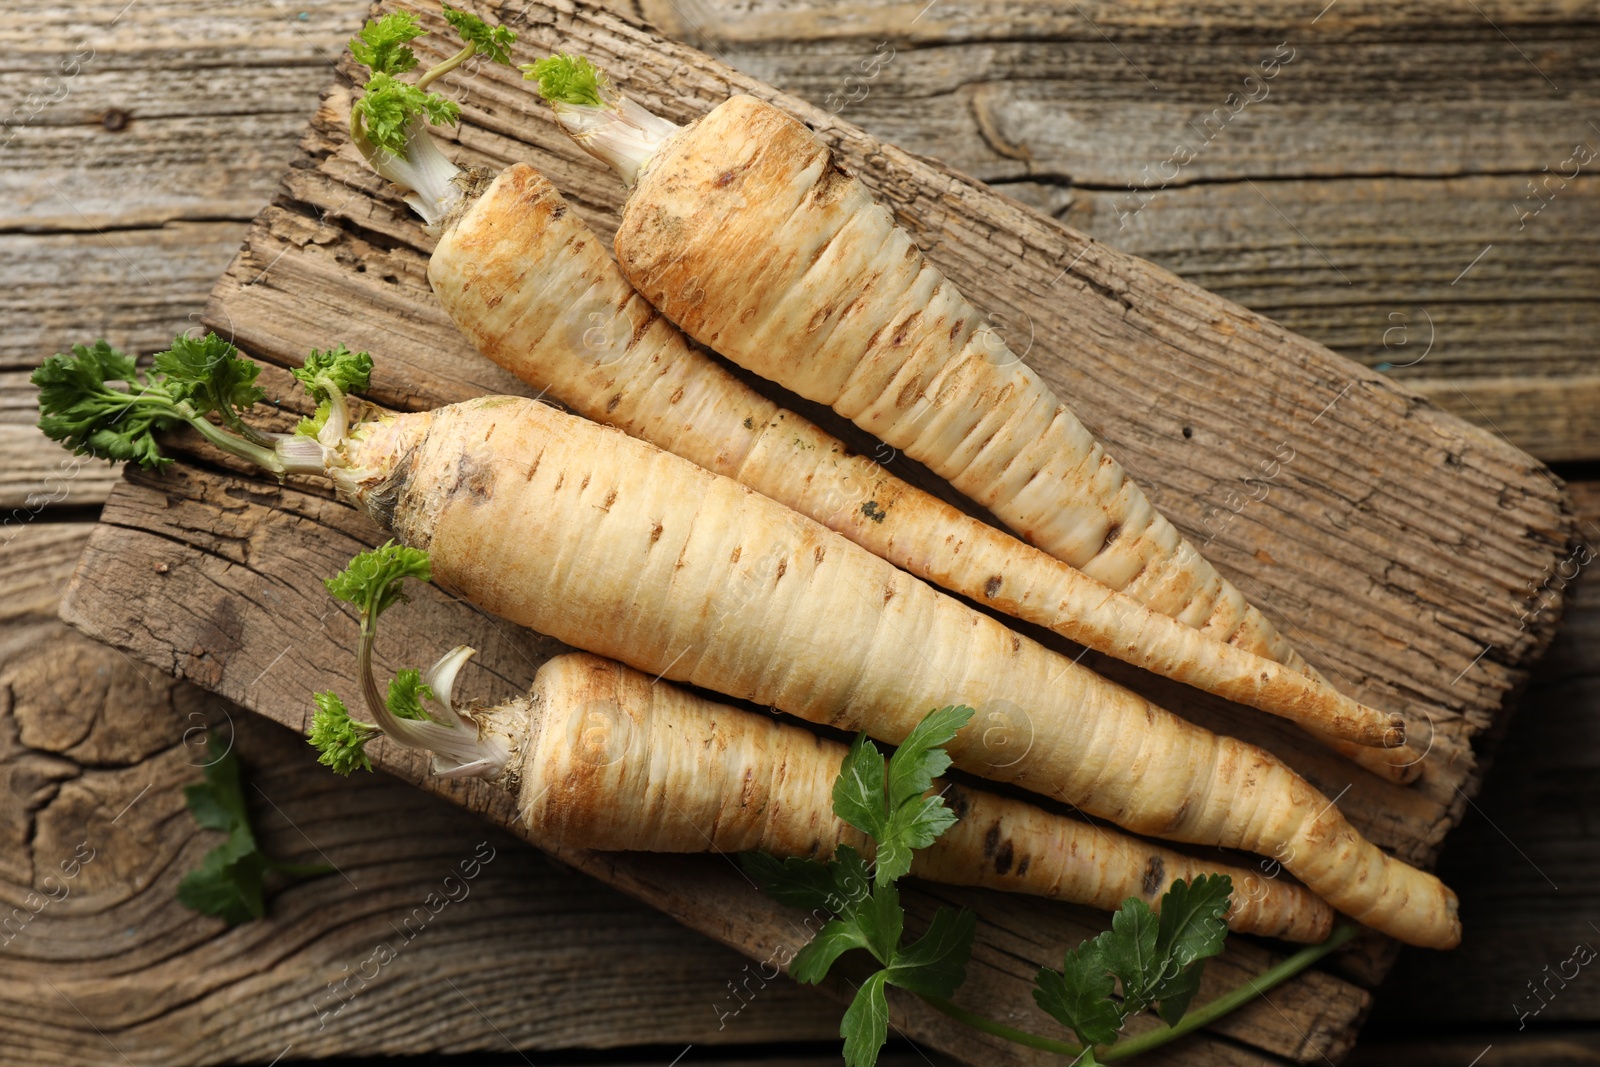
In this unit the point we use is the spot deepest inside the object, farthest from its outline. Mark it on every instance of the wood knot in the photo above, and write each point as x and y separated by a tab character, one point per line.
115	120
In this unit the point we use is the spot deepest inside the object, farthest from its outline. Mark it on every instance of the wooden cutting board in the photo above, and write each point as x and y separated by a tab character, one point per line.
1413	558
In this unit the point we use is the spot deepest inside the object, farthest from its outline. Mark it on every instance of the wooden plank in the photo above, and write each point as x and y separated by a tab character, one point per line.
244	560
1528	846
1357	183
1556	419
1347	534
96	748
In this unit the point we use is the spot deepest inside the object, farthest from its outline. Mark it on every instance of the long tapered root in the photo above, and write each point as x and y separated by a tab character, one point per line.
746	233
616	761
614	546
576	329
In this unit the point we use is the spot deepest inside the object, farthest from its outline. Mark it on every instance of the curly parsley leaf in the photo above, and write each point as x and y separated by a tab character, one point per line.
372	581
209	374
340	740
336	369
568	80
493	42
406	694
381	46
230	881
388	107
79	408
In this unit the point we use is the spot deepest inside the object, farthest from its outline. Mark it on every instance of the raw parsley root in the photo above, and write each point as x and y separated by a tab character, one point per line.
744	232
230	881
388	124
1156	957
604	757
608	544
532	287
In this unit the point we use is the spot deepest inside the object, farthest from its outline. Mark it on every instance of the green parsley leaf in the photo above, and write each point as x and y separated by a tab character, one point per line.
1079	995
381	44
568	80
208	373
81	410
373	579
1191	918
406	694
884	799
230	881
311	425
858	792
935	964
837	936
492	42
865	1026
389	105
1128	951
1175	993
881	920
340	739
336	369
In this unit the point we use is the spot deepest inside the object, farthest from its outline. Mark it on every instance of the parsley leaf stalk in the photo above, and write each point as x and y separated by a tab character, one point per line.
373	584
594	113
388	124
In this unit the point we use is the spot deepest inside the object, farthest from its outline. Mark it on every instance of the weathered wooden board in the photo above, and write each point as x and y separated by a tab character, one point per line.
1346	533
96	748
239	609
1391	146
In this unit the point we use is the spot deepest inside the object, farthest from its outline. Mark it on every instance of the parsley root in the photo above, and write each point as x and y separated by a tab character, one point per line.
613	546
604	757
575	329
741	229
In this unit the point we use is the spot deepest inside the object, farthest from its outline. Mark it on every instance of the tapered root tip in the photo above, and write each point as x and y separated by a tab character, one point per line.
1395	735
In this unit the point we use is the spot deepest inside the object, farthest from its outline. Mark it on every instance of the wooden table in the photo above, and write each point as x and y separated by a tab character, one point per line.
1392	145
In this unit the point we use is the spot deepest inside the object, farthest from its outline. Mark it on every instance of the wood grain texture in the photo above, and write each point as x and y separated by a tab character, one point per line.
95	750
1396	144
1528	844
243	563
1412	572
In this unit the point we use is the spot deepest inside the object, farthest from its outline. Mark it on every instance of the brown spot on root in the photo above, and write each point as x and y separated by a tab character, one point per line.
585	483
533	468
474	477
991	588
725	178
611	405
818	554
738	550
1003	858
655	532
381	501
888	593
1111	536
558	210
677	395
644	324
872	511
991	841
783	567
831	184
1022	865
611	498
560	480
956	800
955	329
1016	644
1155	873
748	424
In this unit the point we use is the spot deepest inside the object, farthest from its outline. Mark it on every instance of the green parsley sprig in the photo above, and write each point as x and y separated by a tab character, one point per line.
97	402
1155	957
374	582
231	880
387	124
